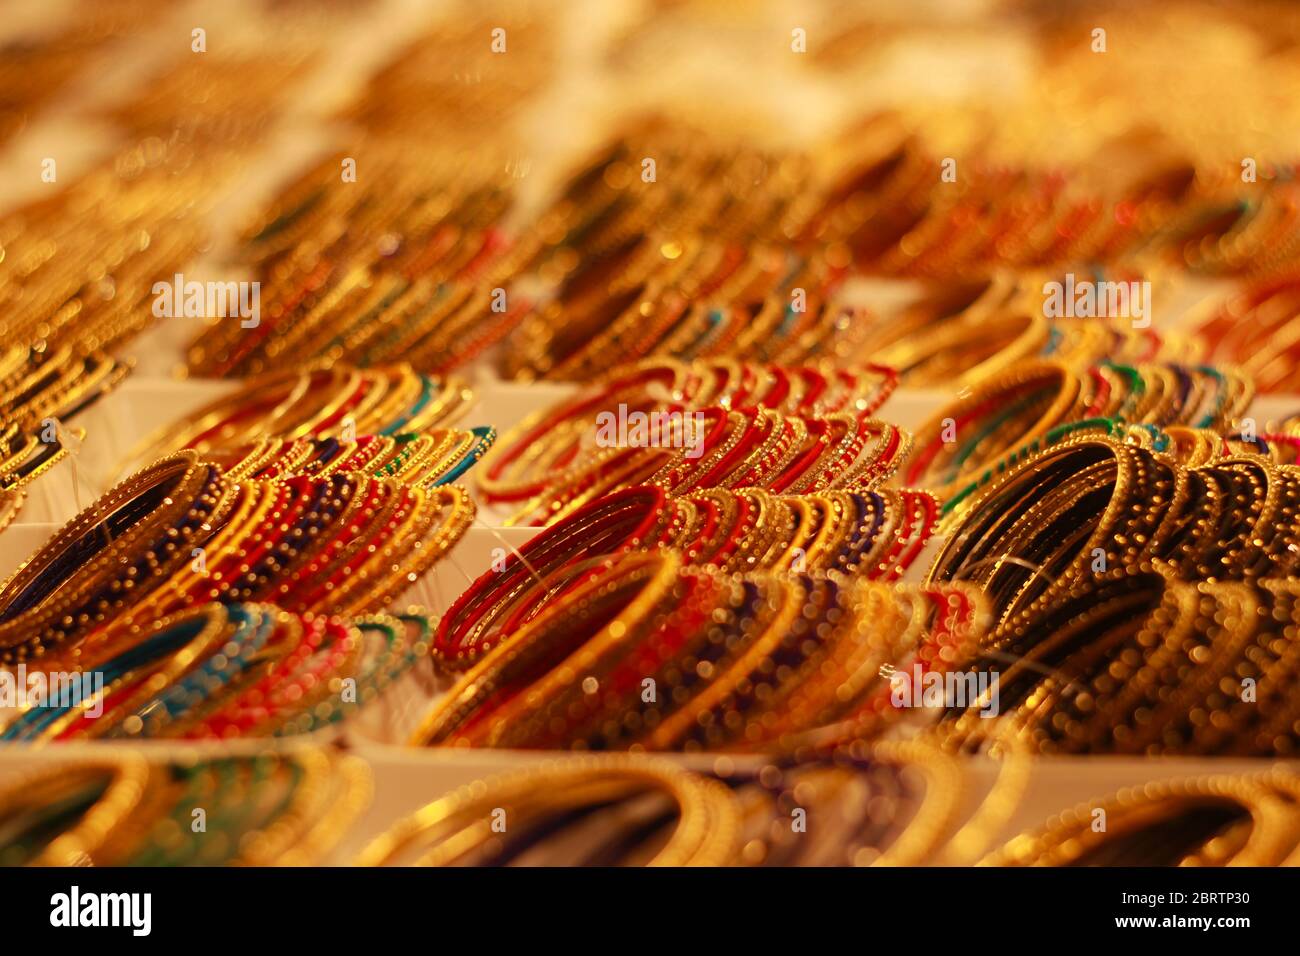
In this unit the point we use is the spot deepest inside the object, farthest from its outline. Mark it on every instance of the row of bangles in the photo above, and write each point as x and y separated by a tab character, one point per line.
1049	499
617	270
419	263
886	805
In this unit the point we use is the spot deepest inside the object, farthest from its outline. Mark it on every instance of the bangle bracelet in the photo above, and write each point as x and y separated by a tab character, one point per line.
643	652
455	826
100	796
1039	394
876	535
1071	839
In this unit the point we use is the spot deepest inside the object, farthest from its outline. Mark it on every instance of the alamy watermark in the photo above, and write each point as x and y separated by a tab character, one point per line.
657	429
26	689
208	300
944	689
133	911
1087	299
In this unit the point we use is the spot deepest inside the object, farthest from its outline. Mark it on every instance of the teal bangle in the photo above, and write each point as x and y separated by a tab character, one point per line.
486	435
1049	438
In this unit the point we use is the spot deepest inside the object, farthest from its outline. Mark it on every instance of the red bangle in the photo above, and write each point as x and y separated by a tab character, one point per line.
637	517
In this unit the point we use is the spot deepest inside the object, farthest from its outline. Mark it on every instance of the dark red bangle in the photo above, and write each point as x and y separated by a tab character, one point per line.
632	518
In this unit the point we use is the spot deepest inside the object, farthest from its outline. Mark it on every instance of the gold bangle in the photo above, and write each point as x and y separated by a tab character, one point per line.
1073	839
707	831
127	777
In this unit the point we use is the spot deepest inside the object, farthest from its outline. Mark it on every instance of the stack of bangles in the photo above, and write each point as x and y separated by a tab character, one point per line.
36	386
338	402
1279	447
181	533
729	449
39	394
436	457
288	809
1285	432
648	653
1136	661
935	351
887	804
1215	820
409	265
81	264
711	300
1186	446
888	213
967	333
624	284
1084	343
225	671
630	811
661	383
875	535
1004	414
891	805
619	434
1090	503
25	456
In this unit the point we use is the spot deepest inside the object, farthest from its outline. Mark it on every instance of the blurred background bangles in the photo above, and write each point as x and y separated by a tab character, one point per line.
1219	820
285	809
333	402
227	671
895	804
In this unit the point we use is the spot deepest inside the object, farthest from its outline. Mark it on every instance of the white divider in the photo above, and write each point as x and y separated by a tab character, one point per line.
393	717
505	404
911	408
118	426
19	542
1268	410
53	496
